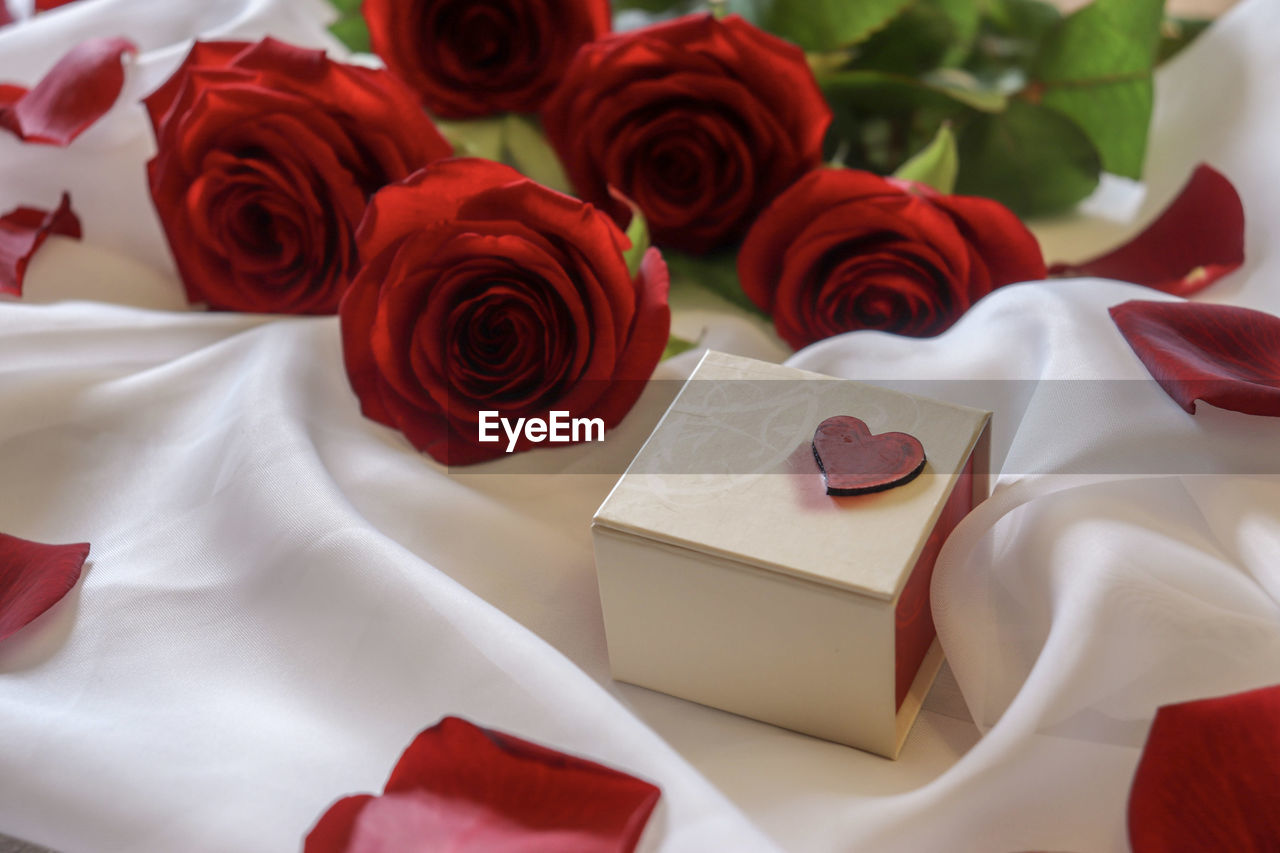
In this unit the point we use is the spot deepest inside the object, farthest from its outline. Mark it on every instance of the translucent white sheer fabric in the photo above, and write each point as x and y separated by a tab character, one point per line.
281	593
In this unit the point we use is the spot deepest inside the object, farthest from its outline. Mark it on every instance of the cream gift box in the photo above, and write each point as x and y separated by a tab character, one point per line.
729	576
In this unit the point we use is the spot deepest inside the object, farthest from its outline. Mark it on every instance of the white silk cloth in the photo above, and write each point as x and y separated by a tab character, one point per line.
281	593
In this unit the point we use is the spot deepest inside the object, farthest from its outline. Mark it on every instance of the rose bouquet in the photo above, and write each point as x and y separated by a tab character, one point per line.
802	159
479	212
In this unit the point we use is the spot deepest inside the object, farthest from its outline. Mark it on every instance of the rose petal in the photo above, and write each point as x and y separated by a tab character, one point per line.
46	5
457	784
5	16
1221	354
34	577
72	96
332	833
1006	246
22	231
646	343
1208	778
1197	240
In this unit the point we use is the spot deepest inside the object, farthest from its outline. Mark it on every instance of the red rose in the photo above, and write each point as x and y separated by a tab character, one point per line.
267	154
469	58
484	291
702	122
845	250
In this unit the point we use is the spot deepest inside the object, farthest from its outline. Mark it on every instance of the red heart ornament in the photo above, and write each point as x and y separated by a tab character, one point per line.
855	462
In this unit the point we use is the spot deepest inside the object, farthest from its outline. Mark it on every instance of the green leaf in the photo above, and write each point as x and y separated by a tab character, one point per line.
1116	116
346	7
928	34
528	150
482	137
911	43
819	25
1008	40
880	119
1103	40
880	92
1033	159
1177	33
936	165
351	30
717	273
1024	20
963	87
1095	67
677	345
638	234
516	140
965	16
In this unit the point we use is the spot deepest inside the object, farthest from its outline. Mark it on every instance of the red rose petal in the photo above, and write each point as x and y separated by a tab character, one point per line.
332	833
22	231
34	577
650	331
72	96
1209	778
1197	240
5	16
46	5
1227	356
459	785
1006	246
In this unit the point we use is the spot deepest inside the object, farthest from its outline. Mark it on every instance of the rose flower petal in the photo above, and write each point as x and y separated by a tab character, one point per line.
844	250
76	92
266	157
1209	777
1227	356
46	5
483	291
460	787
34	577
700	121
1197	240
22	231
467	59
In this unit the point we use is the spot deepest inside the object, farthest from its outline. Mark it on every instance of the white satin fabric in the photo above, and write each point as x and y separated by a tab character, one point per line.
281	593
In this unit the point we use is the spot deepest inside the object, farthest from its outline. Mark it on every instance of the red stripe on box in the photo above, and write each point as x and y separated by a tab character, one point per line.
913	616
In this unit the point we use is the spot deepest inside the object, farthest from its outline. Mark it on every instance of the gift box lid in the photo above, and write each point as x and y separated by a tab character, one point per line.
729	471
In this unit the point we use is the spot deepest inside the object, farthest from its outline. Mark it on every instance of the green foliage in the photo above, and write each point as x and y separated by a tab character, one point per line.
350	28
935	166
928	34
677	345
716	272
819	24
1032	159
526	148
638	234
1095	67
513	139
1040	104
482	137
